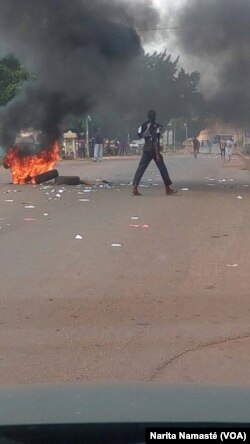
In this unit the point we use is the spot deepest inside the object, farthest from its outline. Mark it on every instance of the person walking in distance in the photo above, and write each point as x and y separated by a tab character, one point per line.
196	146
151	131
229	148
222	148
98	150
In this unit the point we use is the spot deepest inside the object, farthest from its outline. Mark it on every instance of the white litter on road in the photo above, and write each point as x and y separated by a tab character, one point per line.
83	200
232	265
185	189
87	191
79	237
29	206
134	218
239	197
9	200
45	214
116	245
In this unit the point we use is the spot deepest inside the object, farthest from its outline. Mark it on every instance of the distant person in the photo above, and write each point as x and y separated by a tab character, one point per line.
117	147
223	148
151	131
229	148
98	150
196	146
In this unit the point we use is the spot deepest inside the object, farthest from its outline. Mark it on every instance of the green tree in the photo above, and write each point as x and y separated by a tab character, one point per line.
12	74
152	81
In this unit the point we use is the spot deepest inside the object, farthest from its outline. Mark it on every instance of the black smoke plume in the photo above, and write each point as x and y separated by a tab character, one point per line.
218	33
76	49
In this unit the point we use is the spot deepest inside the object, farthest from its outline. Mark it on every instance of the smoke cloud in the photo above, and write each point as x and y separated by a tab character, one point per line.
218	34
76	48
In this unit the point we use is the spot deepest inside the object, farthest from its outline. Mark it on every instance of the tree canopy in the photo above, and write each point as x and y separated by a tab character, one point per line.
152	81
12	74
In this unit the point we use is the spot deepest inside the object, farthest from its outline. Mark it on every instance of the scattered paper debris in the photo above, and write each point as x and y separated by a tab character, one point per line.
29	206
138	226
232	265
211	179
78	236
87	191
45	214
239	197
134	218
58	196
116	245
29	219
210	184
9	200
185	189
83	200
222	180
144	186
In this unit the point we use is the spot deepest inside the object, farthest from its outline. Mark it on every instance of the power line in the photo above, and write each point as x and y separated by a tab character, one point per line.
162	28
177	27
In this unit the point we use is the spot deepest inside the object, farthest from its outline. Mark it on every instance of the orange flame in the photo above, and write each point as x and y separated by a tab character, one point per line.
25	168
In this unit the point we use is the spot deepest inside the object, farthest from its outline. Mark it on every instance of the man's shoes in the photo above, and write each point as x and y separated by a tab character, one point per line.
170	191
135	192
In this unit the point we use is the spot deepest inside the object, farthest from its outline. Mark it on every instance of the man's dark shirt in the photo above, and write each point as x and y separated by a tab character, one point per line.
99	138
151	132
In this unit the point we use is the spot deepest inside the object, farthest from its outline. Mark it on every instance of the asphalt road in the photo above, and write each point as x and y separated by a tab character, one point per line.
170	305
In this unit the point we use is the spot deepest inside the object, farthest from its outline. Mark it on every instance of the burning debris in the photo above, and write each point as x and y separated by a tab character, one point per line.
28	168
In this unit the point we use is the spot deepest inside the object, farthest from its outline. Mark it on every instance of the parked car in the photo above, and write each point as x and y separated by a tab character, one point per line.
135	146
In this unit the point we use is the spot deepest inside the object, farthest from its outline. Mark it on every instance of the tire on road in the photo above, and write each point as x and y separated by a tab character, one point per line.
45	177
68	180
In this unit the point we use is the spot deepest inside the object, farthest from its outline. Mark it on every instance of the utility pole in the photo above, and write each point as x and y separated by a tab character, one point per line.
87	135
186	125
174	136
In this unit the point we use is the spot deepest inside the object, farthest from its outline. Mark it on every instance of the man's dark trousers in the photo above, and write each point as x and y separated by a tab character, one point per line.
146	158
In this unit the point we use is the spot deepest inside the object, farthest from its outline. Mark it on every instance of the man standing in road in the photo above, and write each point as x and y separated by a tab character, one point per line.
196	146
229	148
98	150
151	131
222	147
